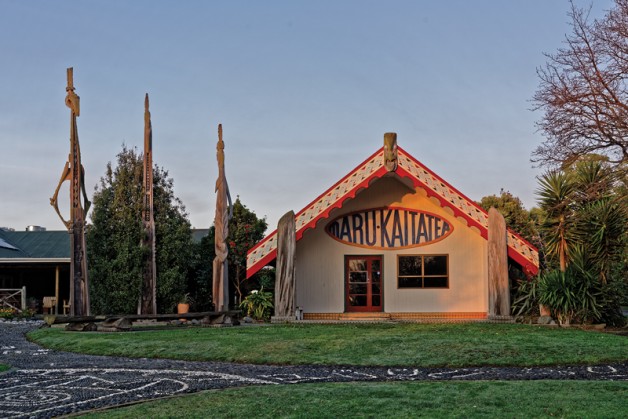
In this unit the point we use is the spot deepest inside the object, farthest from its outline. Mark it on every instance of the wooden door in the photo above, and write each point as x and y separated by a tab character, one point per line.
363	283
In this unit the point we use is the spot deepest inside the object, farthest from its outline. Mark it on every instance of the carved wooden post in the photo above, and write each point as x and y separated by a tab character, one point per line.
220	294
75	174
498	284
390	151
148	299
286	264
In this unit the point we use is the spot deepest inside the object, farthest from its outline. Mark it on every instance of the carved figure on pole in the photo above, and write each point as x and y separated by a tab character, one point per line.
148	299
224	212
75	174
390	151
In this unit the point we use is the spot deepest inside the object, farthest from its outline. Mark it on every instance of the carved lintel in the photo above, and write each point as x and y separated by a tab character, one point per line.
390	151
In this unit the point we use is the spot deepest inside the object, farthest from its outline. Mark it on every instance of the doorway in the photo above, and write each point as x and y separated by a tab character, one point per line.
363	283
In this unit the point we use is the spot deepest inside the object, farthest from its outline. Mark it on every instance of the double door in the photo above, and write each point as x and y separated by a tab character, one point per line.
363	283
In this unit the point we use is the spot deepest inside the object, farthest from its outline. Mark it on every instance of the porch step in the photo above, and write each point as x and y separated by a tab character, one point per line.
364	316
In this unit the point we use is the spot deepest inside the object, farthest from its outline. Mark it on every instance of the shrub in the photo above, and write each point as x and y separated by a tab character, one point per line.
258	304
569	295
7	313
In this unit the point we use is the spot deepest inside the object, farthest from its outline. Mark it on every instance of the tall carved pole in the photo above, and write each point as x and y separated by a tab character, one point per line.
220	294
148	299
286	266
75	174
498	282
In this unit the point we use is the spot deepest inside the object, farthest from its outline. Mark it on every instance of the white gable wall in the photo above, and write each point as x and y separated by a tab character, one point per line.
320	286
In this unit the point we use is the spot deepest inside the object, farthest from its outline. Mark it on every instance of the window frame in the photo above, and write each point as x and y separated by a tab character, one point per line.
423	276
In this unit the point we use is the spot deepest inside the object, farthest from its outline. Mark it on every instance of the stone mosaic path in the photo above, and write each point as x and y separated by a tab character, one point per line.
45	383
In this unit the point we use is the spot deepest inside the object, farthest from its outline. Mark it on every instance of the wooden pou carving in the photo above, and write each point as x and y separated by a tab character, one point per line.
224	212
148	299
75	174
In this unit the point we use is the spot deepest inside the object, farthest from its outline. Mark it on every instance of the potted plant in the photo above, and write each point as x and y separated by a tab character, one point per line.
184	304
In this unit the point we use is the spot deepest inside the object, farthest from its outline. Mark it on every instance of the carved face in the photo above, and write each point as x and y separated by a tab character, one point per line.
390	152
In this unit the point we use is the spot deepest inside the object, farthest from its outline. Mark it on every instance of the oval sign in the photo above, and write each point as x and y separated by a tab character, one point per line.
389	228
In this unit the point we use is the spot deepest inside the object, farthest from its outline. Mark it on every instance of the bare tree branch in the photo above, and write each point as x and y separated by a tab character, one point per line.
583	91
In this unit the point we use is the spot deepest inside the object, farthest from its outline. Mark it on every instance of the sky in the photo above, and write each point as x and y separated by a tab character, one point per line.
305	91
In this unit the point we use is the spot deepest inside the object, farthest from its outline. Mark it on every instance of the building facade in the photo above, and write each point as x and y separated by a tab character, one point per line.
392	240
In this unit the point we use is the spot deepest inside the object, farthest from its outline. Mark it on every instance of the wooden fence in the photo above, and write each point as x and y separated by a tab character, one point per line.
14	299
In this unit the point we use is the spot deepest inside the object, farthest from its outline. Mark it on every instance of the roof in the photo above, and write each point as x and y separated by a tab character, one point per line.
372	169
198	234
34	246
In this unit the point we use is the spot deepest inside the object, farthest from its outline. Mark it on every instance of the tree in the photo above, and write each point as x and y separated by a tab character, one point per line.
584	231
516	216
555	196
583	91
585	209
245	230
114	238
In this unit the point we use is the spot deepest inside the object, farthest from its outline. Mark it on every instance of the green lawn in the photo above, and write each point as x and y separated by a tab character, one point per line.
427	345
482	399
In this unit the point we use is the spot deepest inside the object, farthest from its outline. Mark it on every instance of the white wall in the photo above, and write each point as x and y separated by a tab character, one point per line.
320	260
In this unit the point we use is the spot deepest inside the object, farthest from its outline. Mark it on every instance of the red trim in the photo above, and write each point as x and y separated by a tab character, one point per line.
528	267
261	263
338	204
458	192
261	242
443	203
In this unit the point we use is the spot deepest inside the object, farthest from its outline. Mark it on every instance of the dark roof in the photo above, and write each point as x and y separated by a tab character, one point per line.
198	234
34	245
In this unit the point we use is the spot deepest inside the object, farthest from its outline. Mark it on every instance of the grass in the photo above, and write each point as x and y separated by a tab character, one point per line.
4	367
420	345
512	399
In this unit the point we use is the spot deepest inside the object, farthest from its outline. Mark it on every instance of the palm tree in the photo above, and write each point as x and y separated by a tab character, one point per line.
555	193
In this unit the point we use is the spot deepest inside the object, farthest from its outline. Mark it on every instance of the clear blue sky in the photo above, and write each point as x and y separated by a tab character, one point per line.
304	89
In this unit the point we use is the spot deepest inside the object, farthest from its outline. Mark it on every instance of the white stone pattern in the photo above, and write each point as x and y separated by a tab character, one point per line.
464	205
320	206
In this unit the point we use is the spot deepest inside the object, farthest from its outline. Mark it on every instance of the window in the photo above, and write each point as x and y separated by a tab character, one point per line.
423	271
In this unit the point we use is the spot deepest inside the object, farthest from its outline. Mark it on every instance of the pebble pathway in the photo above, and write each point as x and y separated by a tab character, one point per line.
44	383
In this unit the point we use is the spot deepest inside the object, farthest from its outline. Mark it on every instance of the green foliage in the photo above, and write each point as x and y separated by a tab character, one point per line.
9	313
585	236
585	206
258	304
569	295
526	301
201	272
245	231
516	216
116	258
266	277
555	192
